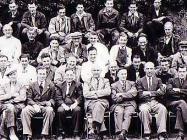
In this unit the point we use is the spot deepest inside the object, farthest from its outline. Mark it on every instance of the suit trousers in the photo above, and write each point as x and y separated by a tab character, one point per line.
76	115
122	117
180	107
28	112
8	117
98	108
160	115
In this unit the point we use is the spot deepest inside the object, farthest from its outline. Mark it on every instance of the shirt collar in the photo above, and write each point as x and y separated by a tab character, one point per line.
81	15
135	14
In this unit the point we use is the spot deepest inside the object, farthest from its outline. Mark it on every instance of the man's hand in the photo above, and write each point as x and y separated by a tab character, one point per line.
130	34
146	93
39	31
74	105
176	89
37	108
65	107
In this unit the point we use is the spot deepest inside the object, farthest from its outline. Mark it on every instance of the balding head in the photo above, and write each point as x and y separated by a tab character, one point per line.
168	28
149	69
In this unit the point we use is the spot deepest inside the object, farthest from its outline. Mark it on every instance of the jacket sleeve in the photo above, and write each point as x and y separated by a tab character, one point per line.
113	94
51	27
88	93
123	24
106	91
58	96
53	92
79	94
22	95
29	94
132	93
140	90
160	91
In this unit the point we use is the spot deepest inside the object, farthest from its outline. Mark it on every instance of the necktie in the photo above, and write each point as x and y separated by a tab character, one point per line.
67	91
124	86
41	87
181	81
33	21
133	19
149	79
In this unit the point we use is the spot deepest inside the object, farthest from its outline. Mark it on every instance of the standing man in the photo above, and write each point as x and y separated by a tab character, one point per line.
95	91
108	19
123	95
150	88
40	99
69	100
176	100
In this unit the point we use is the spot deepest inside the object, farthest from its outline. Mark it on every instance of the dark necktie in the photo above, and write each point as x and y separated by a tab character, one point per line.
124	86
181	81
132	19
41	87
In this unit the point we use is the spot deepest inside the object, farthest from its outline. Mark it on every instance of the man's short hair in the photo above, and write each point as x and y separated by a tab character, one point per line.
24	56
61	6
1	56
40	67
91	49
45	55
132	2
142	35
182	66
32	2
54	38
12	1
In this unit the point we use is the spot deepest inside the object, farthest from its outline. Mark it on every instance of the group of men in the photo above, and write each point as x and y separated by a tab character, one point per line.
73	66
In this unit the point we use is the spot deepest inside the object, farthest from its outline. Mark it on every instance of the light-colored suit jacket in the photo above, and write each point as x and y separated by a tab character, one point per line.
128	94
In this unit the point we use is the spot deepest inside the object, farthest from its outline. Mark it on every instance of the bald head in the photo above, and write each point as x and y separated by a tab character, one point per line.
149	69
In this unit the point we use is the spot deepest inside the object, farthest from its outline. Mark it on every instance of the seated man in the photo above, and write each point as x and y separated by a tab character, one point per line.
136	69
168	45
56	52
9	45
71	64
40	99
121	53
111	75
176	100
35	19
50	70
164	72
95	92
60	25
123	96
76	47
12	16
86	73
108	19
26	74
12	98
69	100
132	23
180	58
82	21
150	88
32	46
146	52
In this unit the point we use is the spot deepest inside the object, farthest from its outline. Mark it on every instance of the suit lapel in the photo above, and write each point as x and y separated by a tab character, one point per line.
46	87
71	89
144	81
36	87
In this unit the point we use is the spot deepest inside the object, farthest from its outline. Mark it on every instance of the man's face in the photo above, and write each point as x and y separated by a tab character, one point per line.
32	8
149	70
157	4
69	76
136	62
13	7
109	4
76	41
164	66
113	68
182	73
132	8
168	30
93	39
71	62
123	40
142	42
31	34
92	55
7	30
80	8
54	44
41	74
24	62
3	62
96	72
122	75
46	62
62	13
183	51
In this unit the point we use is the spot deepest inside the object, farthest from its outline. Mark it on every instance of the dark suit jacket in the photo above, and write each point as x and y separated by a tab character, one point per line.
41	21
171	94
81	51
35	97
88	22
111	80
75	93
150	54
126	26
129	94
131	72
7	17
156	89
